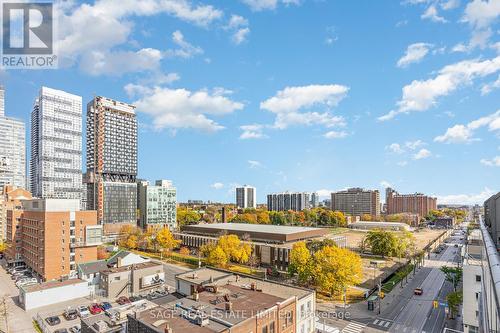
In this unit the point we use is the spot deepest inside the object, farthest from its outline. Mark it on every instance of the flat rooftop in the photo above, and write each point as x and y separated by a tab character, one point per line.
129	267
50	284
202	275
257	232
217	277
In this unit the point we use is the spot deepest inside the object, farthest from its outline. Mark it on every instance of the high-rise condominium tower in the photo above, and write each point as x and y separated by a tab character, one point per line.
157	204
357	202
246	197
56	145
12	149
112	163
295	201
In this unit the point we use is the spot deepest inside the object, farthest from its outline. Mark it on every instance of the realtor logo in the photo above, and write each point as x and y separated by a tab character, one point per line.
28	35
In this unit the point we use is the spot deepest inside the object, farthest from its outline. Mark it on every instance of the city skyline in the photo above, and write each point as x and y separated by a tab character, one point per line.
330	111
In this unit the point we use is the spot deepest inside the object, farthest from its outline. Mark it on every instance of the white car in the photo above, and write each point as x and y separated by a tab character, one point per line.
83	311
25	282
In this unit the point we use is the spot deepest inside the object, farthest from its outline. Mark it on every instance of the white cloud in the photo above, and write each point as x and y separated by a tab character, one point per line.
408	145
495	161
335	134
185	50
450	4
465	199
93	32
288	103
217	186
414	144
422	154
414	54
238	25
432	14
421	95
253	131
465	133
181	108
117	63
395	148
489	87
240	35
254	164
402	163
481	13
259	5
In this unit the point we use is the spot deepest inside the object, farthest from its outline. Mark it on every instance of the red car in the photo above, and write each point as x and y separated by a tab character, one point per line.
95	309
123	300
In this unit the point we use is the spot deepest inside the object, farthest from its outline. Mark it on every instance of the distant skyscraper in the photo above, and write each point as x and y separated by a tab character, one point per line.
157	204
295	201
56	145
246	197
356	202
12	148
112	163
314	200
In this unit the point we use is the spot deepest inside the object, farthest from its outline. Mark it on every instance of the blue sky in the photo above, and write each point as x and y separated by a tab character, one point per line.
302	95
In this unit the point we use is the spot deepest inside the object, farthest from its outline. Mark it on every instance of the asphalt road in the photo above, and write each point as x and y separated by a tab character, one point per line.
412	313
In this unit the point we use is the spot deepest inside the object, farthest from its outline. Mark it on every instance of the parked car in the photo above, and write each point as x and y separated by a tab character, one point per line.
75	329
95	309
61	330
105	306
70	314
26	281
418	291
122	300
83	311
52	321
134	298
16	269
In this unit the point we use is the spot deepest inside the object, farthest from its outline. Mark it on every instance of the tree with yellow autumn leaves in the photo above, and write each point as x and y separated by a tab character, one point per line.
227	248
331	268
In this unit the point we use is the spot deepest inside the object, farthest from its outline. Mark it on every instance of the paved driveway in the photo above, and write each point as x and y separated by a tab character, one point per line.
18	321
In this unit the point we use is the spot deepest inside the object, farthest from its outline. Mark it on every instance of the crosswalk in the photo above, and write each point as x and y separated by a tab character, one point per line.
382	323
353	328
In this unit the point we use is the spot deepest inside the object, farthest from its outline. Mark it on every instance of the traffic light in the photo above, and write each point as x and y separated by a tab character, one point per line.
382	295
435	304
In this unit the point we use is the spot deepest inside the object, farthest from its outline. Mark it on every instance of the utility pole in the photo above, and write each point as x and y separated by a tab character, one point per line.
379	293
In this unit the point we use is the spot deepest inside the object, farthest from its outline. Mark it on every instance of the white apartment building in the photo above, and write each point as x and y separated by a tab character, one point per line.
157	204
472	278
12	148
246	197
56	145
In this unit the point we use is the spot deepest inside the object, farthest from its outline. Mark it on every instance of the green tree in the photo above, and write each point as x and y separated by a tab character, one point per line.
454	300
453	275
300	262
382	242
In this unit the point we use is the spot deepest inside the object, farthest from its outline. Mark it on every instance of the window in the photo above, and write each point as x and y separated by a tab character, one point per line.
117	278
264	329
473	329
478	278
271	327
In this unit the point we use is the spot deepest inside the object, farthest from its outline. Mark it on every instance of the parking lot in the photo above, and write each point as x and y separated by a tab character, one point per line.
22	322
